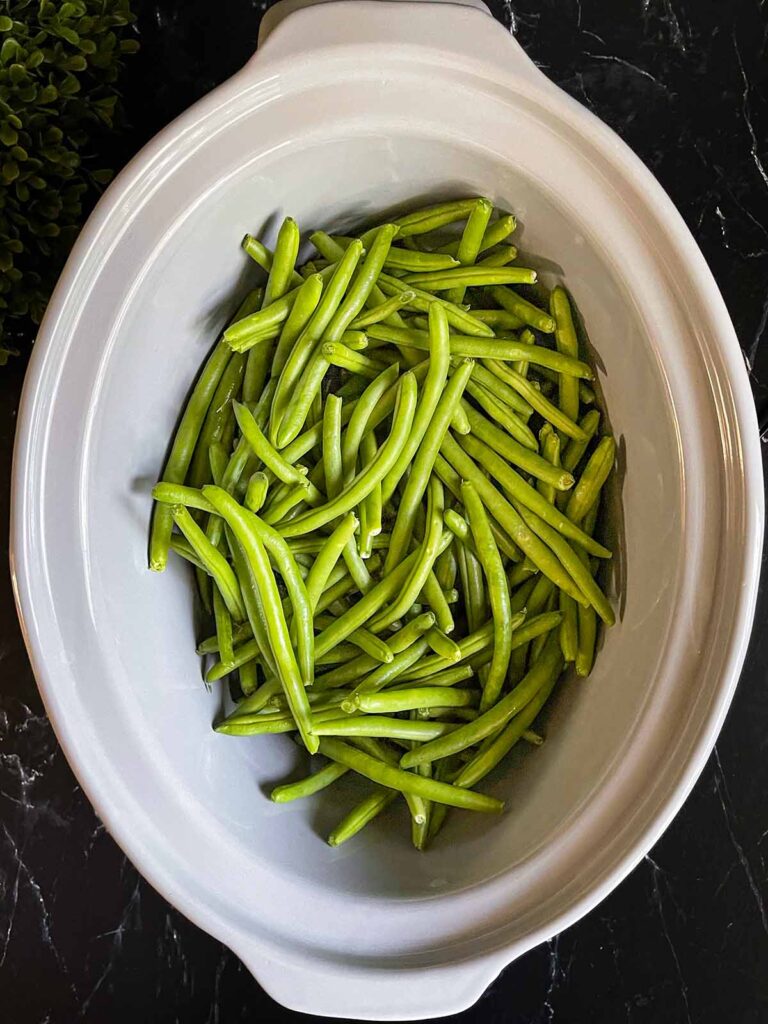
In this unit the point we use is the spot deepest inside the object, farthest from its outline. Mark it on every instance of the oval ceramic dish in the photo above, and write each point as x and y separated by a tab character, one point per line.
348	110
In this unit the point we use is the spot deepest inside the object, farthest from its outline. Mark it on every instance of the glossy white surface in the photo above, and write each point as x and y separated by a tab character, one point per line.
331	125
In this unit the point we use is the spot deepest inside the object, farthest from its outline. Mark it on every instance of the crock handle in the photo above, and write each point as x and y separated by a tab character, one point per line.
460	28
330	989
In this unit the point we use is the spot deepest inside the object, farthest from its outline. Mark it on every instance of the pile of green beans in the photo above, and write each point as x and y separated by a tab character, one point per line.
388	485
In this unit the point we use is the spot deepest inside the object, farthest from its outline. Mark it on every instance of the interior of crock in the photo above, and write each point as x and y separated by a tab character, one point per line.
192	280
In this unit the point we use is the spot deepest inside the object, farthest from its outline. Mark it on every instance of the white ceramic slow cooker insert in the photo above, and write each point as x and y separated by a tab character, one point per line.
348	110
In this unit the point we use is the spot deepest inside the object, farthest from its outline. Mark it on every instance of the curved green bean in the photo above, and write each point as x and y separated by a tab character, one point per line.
434	384
567	342
522	309
407	782
310	785
590	483
402	531
261	447
256	492
498	594
213	560
361	485
496	717
277	630
360	815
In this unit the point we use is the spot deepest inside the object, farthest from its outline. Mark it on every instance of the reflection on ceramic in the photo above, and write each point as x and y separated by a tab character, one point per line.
329	124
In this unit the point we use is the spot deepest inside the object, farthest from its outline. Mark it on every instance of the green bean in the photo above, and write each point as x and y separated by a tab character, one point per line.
215	563
435	599
484	348
266	723
335	593
217	461
475	604
404	259
498	592
446	568
590	483
182	547
430	218
382	727
372	504
520	595
557	417
470	277
503	255
254	328
516	453
362	610
210	645
448	677
363	282
328	247
550	663
361	485
353	670
443	645
428	552
371	644
261	255
360	815
315	328
478	641
485	760
339	355
502	390
533	627
385	674
549	442
528	338
297	592
567	342
310	785
243	525
256	493
506	417
521	490
524	310
423	463
495	233
421	301
305	392
569	627
256	701
223	621
521	572
497	318
215	420
383	310
571	562
574	450
471	240
302	311
261	447
586	617
248	678
508	518
180	494
281	273
407	782
434	384
328	557
371	400
394	701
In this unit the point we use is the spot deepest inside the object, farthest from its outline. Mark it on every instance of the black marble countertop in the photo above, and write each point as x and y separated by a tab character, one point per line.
685	937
